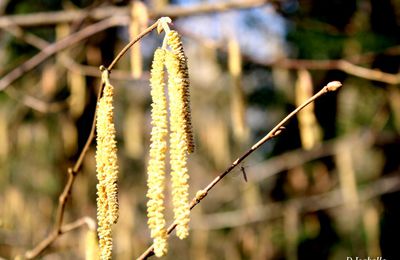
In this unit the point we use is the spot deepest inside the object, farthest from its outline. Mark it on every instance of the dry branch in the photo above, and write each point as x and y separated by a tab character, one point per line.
343	65
201	194
52	49
100	13
64	229
346	66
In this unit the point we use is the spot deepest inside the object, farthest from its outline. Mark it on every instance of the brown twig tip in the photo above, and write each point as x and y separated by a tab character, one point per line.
333	85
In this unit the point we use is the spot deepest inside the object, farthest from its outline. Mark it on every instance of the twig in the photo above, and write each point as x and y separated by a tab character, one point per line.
66	61
205	8
35	103
201	194
56	47
64	229
340	64
343	65
72	172
50	18
126	48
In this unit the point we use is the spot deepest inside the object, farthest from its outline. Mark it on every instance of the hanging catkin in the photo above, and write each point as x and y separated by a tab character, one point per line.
181	141
179	136
107	168
158	148
181	78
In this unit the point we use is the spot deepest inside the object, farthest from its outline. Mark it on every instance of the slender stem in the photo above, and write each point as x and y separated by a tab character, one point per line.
126	48
52	49
277	130
53	236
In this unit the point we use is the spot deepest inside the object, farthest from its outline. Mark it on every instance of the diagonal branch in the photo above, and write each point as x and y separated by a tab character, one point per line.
201	194
349	66
52	49
51	18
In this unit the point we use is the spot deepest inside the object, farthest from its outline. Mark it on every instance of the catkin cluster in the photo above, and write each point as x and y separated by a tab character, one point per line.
107	168
180	140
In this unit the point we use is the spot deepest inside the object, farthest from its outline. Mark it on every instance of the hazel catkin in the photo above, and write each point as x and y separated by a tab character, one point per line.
107	168
158	148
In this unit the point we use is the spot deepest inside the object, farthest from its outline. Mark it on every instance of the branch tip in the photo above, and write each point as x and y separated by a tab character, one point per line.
333	86
163	24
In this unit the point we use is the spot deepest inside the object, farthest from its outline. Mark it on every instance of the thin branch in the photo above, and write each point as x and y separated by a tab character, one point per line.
343	65
130	44
35	103
53	236
66	61
72	172
52	49
340	64
201	194
206	8
51	18
65	16
294	158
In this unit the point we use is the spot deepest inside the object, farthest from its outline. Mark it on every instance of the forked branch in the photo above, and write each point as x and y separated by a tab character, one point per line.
201	194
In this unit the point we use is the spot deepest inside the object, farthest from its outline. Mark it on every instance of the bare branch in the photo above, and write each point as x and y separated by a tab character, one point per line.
343	65
201	194
52	49
64	229
50	18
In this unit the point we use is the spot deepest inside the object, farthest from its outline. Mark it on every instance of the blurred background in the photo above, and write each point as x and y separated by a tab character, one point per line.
326	188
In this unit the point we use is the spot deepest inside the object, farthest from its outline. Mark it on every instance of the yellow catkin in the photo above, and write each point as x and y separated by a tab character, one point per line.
107	169
178	145
91	245
182	75
158	148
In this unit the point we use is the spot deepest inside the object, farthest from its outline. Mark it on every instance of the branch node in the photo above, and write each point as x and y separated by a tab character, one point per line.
278	131
200	195
163	24
71	172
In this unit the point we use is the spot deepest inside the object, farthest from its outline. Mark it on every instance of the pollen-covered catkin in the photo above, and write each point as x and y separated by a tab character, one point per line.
158	148
178	145
175	43
107	168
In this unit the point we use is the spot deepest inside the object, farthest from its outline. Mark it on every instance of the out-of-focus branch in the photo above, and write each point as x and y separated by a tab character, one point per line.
343	65
307	204
66	61
294	158
52	49
35	103
50	18
64	229
201	194
204	8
